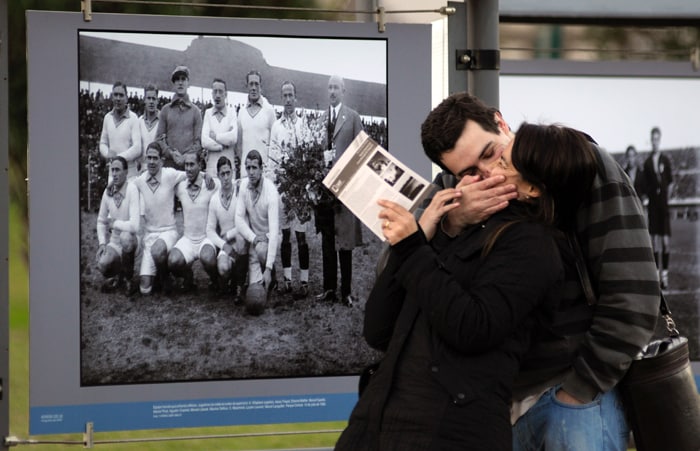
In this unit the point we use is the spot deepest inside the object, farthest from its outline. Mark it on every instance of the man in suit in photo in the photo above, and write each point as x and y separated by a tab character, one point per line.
340	229
658	183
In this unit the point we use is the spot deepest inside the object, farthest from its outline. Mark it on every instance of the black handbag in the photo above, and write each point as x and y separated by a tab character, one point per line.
658	391
660	396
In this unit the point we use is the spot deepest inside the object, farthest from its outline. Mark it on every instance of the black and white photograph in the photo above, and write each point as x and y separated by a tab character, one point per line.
411	188
392	174
209	249
378	163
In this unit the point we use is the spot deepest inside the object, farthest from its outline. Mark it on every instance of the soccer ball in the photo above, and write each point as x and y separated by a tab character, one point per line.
255	299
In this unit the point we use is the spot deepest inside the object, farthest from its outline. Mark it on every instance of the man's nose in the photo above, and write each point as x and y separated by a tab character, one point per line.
486	170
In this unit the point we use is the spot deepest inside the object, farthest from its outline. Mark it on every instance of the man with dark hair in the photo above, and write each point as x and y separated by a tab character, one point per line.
219	128
157	188
658	182
257	221
148	122
254	121
180	124
194	198
118	223
120	131
589	348
228	253
340	229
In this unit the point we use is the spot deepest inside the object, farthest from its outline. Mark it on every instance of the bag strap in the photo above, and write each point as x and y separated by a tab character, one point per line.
585	279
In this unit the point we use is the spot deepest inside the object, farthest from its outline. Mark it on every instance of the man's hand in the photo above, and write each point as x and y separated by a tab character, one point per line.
177	157
480	199
228	249
209	181
212	134
260	238
267	277
100	251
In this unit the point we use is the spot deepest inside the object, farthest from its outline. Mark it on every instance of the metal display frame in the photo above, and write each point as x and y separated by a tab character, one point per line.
473	40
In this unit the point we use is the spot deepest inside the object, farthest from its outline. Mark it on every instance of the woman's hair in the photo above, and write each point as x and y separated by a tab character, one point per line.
562	163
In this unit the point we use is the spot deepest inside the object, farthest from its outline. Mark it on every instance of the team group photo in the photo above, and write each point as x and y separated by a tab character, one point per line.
209	248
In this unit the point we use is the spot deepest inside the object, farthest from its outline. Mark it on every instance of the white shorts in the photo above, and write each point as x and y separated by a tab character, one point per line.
293	222
117	241
148	266
191	249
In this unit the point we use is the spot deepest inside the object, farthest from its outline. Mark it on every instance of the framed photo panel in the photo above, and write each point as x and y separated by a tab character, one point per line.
115	343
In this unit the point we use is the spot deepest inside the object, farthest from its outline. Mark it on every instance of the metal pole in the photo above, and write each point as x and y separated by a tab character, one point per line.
457	39
482	35
4	227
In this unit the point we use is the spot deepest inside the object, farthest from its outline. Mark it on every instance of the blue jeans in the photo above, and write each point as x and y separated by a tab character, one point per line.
554	426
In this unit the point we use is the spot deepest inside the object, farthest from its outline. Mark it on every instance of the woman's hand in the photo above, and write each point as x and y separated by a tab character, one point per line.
397	222
443	201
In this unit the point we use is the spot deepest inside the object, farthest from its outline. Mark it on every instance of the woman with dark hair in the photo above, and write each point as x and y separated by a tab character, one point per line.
455	320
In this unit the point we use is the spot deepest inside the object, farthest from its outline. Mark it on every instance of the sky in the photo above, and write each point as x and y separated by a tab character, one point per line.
346	57
615	111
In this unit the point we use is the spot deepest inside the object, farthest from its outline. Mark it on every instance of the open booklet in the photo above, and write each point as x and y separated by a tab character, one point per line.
366	172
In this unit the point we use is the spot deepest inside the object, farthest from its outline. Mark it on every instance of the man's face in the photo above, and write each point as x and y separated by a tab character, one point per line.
181	83
153	161
289	99
119	98
655	140
336	90
118	173
225	176
254	87
218	94
151	101
191	166
254	170
475	150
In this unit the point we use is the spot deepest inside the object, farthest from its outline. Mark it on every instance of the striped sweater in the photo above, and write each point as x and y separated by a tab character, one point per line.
589	348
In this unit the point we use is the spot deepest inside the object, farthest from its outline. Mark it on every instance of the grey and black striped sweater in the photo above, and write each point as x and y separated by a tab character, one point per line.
589	348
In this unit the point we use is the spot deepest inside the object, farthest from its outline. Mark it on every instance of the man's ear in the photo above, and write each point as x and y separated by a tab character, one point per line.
502	125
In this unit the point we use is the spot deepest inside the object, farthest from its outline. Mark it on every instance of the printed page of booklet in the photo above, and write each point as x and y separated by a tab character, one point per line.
366	172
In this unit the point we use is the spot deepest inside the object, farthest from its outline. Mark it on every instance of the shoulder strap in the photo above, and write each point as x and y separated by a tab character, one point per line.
584	278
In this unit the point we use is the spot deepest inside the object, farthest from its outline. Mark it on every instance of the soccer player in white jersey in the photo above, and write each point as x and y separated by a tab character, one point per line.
219	128
118	224
120	131
254	121
230	252
194	198
257	220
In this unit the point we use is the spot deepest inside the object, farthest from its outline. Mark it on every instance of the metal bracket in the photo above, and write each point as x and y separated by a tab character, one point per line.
478	59
88	436
381	19
86	8
10	440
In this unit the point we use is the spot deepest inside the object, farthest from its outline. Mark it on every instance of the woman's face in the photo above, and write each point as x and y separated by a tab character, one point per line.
503	165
